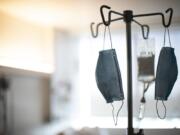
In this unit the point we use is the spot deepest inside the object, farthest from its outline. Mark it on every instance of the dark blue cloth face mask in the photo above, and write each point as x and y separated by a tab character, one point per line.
108	76
166	73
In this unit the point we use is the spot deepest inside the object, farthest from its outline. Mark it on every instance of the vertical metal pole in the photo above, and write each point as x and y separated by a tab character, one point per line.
128	16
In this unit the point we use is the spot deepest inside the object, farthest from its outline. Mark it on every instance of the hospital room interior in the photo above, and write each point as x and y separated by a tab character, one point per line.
89	67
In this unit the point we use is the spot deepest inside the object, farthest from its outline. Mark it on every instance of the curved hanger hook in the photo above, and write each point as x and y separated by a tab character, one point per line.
170	10
145	36
94	34
107	23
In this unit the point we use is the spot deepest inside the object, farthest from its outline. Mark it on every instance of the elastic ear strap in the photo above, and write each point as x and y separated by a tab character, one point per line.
161	117
110	36
168	37
104	37
116	119
164	37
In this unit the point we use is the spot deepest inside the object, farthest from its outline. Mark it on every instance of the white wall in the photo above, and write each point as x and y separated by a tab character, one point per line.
27	100
65	83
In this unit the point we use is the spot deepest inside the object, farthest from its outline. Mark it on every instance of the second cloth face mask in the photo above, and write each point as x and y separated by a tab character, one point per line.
108	76
166	73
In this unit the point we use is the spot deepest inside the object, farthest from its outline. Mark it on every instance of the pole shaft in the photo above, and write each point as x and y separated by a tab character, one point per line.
128	16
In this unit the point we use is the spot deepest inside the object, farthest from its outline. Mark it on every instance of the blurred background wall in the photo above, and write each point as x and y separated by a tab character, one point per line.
49	57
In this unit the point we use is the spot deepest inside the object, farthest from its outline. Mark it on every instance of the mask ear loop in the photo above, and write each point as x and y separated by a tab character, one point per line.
167	31
164	38
165	110
169	37
104	37
110	36
115	119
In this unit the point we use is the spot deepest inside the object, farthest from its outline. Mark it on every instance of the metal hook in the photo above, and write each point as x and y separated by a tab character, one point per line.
95	34
143	26
170	10
92	31
107	23
143	31
109	15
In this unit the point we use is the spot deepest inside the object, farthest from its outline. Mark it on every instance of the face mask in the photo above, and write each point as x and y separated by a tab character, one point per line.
166	74
108	77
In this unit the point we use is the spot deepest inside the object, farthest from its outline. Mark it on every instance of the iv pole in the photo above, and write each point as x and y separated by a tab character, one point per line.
128	18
